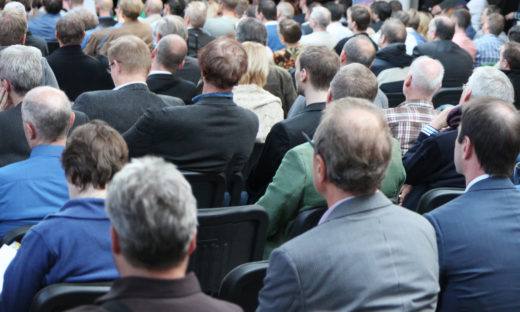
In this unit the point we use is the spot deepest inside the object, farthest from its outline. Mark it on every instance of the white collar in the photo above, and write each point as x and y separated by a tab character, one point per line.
128	83
477	179
154	72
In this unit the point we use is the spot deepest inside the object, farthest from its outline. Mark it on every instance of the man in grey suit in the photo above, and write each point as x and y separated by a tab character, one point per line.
130	61
365	253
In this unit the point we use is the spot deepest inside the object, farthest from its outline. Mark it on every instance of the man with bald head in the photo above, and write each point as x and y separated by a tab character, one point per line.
33	188
167	58
456	61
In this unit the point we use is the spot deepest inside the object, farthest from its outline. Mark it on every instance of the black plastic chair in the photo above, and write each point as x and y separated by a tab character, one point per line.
15	235
64	296
226	238
306	220
395	99
447	96
437	197
243	283
208	188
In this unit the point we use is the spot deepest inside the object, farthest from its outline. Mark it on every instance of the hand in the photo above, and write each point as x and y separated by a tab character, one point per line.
441	121
403	192
4	103
510	16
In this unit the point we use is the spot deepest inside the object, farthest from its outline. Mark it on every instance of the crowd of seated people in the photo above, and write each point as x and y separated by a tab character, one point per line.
101	115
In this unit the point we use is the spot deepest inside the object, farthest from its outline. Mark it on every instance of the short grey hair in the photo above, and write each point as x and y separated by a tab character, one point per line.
22	67
154	213
49	111
197	12
172	24
15	5
360	49
355	143
321	15
427	74
251	29
354	80
286	9
155	6
490	81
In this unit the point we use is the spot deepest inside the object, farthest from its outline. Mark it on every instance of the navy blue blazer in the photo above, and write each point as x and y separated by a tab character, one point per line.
478	239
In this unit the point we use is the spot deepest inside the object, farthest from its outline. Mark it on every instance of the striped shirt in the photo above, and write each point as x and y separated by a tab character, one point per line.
407	119
488	50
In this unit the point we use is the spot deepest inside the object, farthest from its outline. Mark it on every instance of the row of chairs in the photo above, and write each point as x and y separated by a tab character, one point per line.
444	96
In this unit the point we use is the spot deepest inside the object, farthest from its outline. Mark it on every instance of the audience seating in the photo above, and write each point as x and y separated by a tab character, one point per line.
226	238
63	296
437	197
447	96
243	283
306	220
15	235
395	99
208	188
53	46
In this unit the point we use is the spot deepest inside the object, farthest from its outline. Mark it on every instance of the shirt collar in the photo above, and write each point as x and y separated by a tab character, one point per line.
153	72
47	150
477	179
331	209
129	83
228	95
417	103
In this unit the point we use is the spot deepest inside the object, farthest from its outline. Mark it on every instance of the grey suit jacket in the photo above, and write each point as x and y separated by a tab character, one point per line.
368	255
121	108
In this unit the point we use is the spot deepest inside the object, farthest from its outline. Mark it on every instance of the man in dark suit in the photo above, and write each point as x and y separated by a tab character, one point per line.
456	61
21	71
195	17
315	68
213	134
152	257
478	232
167	58
130	61
75	71
429	162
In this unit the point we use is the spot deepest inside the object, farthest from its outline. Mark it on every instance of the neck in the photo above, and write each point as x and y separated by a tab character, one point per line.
315	96
15	99
318	29
121	80
126	269
416	95
157	66
104	14
333	194
38	142
471	173
459	30
229	13
89	192
292	45
209	88
356	31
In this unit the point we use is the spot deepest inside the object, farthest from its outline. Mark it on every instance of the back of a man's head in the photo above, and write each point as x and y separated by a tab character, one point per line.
394	30
49	111
463	18
154	6
131	8
70	29
321	16
223	62
355	144
104	5
171	25
290	30
354	80
514	33
285	10
493	127
492	82
321	65
13	26
22	67
335	11
251	29
427	75
444	27
403	16
268	9
382	9
511	54
496	23
229	4
132	54
53	6
171	51
361	15
89	19
360	50
197	10
153	212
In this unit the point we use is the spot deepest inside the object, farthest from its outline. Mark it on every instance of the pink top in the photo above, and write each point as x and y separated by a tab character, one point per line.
465	43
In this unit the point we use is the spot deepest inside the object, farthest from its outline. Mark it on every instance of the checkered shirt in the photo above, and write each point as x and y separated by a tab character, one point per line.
407	119
488	50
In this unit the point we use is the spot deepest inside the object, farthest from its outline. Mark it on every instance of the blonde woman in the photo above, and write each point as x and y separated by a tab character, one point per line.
250	94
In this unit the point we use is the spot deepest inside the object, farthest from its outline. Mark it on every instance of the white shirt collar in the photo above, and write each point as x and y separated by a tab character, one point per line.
477	179
153	72
128	83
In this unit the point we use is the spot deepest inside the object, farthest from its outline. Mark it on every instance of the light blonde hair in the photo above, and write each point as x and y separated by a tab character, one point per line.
197	12
131	8
132	53
257	64
424	21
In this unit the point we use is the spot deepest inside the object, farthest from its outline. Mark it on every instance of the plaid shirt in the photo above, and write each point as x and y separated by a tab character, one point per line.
488	50
407	120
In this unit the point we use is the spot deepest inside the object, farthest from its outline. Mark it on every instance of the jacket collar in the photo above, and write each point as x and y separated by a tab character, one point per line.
492	183
359	204
314	107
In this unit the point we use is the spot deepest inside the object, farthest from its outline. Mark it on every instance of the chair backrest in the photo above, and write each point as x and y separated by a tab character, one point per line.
395	99
208	188
447	96
64	296
437	197
306	220
15	235
243	283
226	238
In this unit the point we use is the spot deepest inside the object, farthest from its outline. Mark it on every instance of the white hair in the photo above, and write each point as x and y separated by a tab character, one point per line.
490	81
286	9
15	5
427	74
22	67
321	15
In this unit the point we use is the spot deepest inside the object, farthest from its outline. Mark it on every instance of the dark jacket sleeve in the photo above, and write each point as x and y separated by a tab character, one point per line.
139	137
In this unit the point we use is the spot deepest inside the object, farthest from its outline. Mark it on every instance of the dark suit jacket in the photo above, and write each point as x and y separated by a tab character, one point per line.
106	21
206	136
37	42
514	76
13	144
479	250
458	64
190	71
283	136
197	39
429	164
121	108
77	72
168	84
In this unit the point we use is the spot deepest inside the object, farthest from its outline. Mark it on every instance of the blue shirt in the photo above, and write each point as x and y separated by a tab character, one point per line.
488	50
273	41
44	26
72	245
32	188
